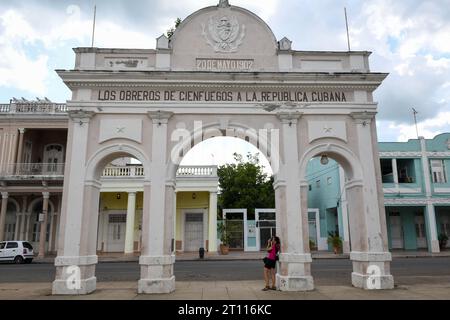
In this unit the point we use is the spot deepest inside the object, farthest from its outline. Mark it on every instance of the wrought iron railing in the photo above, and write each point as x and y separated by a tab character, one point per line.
138	171
34	169
33	108
51	169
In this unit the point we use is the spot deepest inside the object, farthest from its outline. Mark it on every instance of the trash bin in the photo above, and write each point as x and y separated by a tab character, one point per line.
201	253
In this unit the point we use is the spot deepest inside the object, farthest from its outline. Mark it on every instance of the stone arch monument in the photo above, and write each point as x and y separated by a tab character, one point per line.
222	73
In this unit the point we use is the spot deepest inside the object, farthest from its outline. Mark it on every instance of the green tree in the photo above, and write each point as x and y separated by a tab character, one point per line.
244	184
171	31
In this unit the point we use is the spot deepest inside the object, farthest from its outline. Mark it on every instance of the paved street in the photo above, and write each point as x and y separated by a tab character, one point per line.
332	272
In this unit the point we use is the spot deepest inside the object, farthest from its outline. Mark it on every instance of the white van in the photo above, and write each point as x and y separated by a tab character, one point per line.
16	251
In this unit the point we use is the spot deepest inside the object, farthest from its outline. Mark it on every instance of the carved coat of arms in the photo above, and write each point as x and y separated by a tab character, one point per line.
224	34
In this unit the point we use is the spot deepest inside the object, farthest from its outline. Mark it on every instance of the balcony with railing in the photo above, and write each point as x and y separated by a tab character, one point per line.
39	170
33	107
138	172
33	170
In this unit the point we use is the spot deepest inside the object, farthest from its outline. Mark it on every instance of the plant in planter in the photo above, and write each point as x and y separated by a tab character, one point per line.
224	238
336	241
312	245
443	238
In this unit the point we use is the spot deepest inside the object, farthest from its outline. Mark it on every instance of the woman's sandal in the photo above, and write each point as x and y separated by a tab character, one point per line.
273	288
266	289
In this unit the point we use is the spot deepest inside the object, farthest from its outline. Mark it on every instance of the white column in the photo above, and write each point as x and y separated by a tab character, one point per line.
131	214
344	211
212	236
157	258
430	215
368	224
27	228
77	225
24	216
54	230
292	213
395	172
20	148
43	233
105	230
17	226
3	215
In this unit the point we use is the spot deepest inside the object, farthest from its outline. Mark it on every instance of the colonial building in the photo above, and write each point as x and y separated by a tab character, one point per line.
415	177
222	73
33	140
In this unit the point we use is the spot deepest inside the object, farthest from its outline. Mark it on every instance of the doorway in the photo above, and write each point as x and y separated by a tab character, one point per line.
266	226
420	231
236	220
193	232
116	233
396	230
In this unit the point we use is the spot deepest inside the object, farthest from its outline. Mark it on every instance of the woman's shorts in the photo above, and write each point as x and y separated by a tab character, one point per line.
269	264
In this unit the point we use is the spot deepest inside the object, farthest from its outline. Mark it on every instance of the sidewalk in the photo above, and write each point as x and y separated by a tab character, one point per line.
241	290
112	257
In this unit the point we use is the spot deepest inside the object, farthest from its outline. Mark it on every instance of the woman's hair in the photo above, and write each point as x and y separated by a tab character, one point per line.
277	240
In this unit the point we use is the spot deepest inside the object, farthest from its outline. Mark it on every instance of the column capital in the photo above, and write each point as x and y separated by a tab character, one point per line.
5	195
364	118
171	183
46	195
290	118
160	117
81	116
22	130
131	193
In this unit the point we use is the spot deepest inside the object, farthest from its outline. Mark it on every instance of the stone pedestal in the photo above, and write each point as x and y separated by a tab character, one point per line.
371	271
156	275
75	275
295	273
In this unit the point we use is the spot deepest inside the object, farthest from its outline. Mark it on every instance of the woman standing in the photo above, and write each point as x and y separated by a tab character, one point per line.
270	262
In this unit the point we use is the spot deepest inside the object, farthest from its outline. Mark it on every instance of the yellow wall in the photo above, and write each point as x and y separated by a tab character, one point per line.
109	201
185	201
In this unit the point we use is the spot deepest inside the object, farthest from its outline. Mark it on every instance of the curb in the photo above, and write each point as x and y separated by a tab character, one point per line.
339	257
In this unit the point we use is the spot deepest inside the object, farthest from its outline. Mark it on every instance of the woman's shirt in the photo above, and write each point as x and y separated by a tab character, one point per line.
273	253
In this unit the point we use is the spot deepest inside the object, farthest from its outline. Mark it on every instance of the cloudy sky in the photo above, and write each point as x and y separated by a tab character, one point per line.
410	39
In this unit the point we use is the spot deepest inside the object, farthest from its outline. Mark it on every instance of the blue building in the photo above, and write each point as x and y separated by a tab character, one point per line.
416	185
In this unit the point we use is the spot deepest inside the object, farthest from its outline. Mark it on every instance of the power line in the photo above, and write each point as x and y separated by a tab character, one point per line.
317	172
325	173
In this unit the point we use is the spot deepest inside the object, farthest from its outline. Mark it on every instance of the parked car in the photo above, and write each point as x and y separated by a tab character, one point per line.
16	251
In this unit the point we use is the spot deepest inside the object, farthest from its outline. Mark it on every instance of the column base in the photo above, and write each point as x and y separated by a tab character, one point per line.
435	246
346	247
156	286
372	282
295	284
371	270
87	286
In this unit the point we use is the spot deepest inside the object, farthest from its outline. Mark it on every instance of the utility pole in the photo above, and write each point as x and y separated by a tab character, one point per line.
415	121
93	27
348	32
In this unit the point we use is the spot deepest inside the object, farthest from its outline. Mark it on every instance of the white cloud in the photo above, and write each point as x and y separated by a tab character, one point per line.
17	70
428	128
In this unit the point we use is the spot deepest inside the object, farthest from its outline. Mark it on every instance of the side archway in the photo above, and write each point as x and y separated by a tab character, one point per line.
108	154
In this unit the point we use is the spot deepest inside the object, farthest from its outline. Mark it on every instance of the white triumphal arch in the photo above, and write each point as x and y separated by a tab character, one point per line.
223	72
